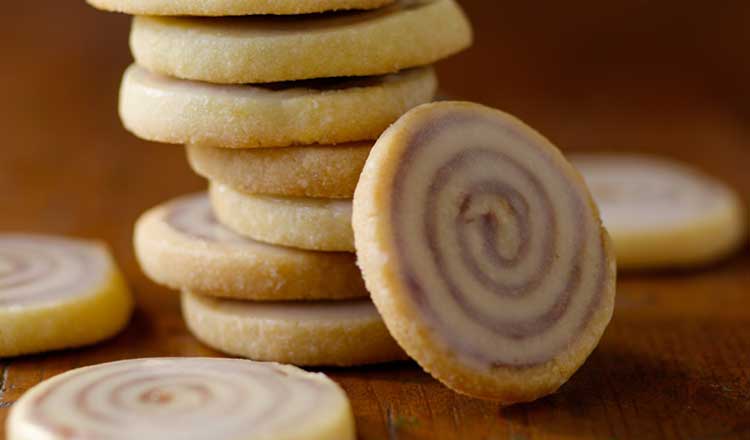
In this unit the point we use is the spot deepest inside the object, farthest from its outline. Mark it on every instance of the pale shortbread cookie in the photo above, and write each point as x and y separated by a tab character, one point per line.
267	49
341	333
184	399
181	245
483	251
324	111
58	293
216	8
303	223
662	213
324	171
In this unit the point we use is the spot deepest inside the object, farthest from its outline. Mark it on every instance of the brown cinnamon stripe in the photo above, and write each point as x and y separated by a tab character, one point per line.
266	376
517	330
520	209
20	271
32	260
197	207
157	396
461	163
489	224
313	84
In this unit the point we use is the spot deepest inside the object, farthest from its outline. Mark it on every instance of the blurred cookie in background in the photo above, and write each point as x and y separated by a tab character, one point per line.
662	213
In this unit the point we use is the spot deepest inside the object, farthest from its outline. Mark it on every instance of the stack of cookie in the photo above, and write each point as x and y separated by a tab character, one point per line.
279	103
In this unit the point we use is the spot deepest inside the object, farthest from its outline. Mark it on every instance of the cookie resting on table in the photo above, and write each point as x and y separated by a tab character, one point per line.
181	245
183	399
341	333
662	213
322	111
239	50
217	8
483	251
58	293
318	171
304	223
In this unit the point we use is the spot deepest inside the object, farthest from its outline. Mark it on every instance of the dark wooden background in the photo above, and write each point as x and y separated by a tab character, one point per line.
671	77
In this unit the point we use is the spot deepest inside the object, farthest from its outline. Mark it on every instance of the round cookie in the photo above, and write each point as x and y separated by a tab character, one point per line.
662	213
322	111
183	399
341	333
241	50
314	224
322	171
181	245
215	8
58	293
483	251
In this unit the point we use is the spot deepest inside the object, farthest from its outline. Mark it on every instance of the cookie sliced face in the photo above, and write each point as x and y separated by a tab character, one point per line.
47	282
662	213
302	223
216	8
483	251
240	50
313	171
181	399
323	111
340	333
180	244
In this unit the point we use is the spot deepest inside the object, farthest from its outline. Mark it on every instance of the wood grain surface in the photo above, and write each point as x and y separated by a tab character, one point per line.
667	77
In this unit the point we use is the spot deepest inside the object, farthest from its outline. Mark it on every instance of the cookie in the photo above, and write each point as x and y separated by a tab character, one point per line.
314	224
483	251
216	8
181	399
341	333
180	245
58	293
238	50
662	213
323	111
319	171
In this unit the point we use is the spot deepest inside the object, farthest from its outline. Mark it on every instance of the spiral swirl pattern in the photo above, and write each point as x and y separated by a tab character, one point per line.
179	398
647	192
192	215
498	242
40	269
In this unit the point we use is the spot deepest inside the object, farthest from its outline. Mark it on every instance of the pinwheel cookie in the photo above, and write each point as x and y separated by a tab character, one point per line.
252	49
302	333
662	213
483	251
316	224
322	111
324	171
181	245
58	293
181	399
232	7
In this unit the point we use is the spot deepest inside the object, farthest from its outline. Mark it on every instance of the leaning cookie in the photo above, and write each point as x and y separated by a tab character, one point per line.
341	333
303	223
483	251
183	399
323	111
181	245
318	171
217	8
58	293
662	213
239	50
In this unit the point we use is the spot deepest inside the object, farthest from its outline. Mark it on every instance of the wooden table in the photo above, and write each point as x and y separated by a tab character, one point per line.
645	76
